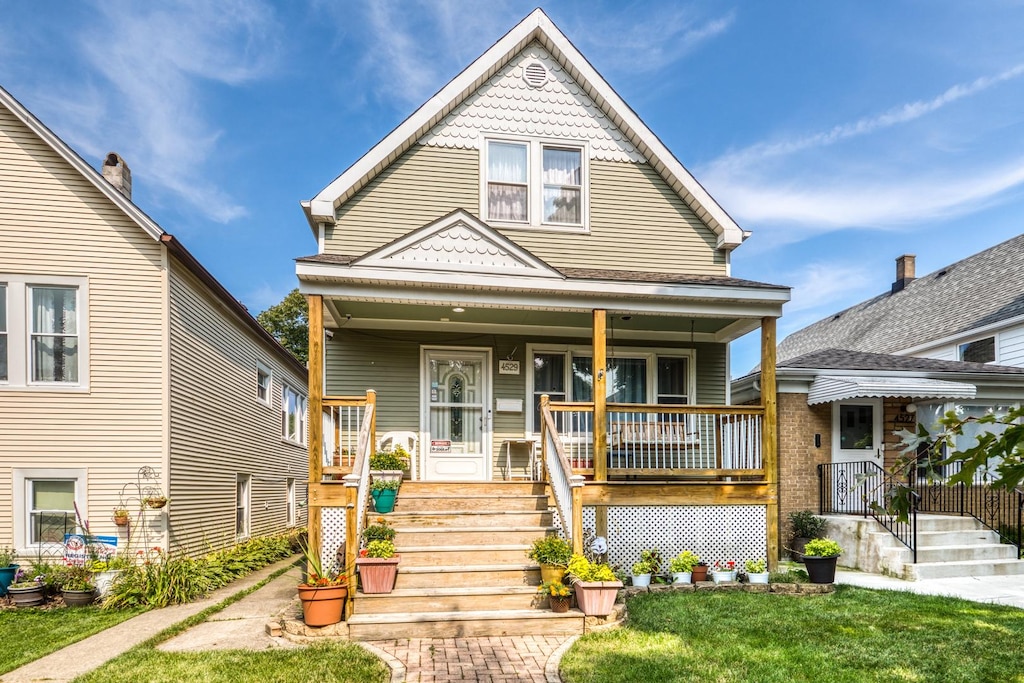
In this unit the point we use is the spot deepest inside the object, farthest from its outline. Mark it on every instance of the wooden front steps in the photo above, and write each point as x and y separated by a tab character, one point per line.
464	570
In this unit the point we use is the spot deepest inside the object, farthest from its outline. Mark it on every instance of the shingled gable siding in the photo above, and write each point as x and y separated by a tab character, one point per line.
627	201
218	427
53	222
389	362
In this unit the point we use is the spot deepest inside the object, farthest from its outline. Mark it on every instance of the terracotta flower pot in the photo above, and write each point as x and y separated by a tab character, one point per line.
322	605
699	573
597	598
377	575
121	520
560	603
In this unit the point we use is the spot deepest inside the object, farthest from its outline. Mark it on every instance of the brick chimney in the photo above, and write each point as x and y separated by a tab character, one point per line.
118	174
904	272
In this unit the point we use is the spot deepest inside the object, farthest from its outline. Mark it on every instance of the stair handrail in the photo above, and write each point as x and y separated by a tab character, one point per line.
1020	518
904	531
566	487
357	487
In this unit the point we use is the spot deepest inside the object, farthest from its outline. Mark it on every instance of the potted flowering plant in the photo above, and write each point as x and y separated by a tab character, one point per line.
552	553
649	564
757	570
389	464
378	566
76	586
323	592
26	590
724	571
682	566
699	572
156	502
596	585
121	516
558	594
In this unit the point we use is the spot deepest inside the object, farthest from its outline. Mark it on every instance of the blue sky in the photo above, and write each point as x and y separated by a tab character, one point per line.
841	134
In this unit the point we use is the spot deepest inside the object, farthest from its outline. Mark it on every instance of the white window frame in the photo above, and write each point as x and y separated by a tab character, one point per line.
243	486
535	182
23	478
300	438
291	507
650	354
19	331
264	369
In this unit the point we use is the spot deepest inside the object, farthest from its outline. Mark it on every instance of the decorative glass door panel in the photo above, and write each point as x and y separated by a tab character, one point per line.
457	415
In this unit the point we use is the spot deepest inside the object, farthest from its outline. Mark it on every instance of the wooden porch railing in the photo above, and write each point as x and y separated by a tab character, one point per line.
357	494
342	422
565	486
672	441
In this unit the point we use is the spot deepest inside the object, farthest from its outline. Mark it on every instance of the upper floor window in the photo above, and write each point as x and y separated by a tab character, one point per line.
535	183
979	351
43	332
293	407
263	383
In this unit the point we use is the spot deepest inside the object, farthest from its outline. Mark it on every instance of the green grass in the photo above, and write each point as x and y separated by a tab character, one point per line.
852	635
31	633
313	664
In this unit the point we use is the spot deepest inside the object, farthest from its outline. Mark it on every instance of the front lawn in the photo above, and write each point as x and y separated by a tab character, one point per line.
29	634
314	664
852	635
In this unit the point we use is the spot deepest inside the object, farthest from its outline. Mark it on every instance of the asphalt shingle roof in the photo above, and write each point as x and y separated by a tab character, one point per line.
979	290
843	359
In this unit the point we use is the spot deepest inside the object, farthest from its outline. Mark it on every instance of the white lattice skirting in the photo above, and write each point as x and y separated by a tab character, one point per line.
332	525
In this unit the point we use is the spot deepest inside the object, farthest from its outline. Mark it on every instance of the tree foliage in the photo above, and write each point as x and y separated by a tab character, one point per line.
997	451
288	322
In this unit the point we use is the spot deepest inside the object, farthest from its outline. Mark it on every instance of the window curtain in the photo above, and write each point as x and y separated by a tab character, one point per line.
627	380
506	182
54	334
562	180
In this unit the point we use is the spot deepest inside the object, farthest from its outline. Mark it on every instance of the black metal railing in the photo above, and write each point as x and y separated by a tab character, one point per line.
863	488
997	509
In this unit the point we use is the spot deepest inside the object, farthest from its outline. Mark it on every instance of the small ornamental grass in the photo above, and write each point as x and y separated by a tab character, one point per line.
851	636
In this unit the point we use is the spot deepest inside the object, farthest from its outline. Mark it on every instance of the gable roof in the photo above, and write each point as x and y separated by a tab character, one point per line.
843	359
535	27
147	224
972	294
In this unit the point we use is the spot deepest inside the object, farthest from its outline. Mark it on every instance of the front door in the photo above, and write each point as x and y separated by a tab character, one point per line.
456	418
856	438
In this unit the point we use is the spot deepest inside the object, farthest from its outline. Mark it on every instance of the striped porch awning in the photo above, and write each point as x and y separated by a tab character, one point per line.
826	389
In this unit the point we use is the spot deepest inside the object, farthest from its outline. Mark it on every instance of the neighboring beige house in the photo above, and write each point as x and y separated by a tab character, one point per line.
127	370
521	234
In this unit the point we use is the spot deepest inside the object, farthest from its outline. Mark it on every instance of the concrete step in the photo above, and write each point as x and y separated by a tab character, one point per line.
457	489
928	522
945	570
980	536
471	518
412	536
459	624
425	556
424	502
949	553
456	599
523	574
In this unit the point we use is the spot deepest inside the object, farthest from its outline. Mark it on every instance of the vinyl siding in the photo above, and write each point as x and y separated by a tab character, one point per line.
389	362
1011	346
633	214
53	222
218	427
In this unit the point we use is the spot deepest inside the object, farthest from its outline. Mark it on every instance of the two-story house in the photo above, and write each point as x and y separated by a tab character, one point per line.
127	372
536	289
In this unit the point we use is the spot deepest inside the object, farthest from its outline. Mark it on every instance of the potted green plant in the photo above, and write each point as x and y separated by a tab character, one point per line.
681	566
757	570
381	530
384	492
646	567
596	585
26	590
820	558
76	586
7	569
559	595
389	464
552	553
378	567
805	526
322	593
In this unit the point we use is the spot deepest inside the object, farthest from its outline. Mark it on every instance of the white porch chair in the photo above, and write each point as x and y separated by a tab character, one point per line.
407	440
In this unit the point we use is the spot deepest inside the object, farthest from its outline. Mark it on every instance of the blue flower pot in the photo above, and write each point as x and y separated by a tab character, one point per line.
384	501
6	577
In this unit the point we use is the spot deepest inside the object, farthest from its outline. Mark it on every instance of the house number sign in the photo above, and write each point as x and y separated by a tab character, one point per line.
508	367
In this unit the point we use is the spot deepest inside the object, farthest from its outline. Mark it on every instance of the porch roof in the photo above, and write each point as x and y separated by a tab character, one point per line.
826	389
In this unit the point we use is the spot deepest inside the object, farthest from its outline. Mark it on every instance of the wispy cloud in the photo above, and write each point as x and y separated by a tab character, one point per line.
145	70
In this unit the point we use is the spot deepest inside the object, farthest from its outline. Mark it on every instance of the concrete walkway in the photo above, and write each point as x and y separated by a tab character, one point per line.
243	625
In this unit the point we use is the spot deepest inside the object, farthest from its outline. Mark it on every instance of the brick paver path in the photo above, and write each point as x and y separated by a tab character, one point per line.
491	659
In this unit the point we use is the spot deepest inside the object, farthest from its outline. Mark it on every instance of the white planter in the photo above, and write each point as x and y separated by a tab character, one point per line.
761	577
387	475
641	579
682	577
103	580
723	576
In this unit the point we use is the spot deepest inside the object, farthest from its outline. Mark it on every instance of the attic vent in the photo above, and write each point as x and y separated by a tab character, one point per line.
535	74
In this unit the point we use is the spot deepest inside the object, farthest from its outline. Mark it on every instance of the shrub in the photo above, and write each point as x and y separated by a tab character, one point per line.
553	550
582	569
683	562
806	524
380	550
822	547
